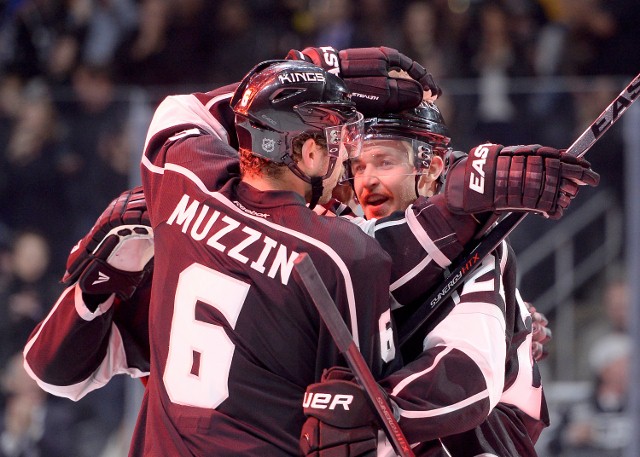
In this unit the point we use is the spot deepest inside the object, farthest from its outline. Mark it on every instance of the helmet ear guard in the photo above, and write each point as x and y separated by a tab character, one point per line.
450	157
268	144
422	156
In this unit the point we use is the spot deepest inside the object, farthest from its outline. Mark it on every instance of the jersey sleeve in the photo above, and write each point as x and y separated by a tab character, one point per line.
423	241
459	376
74	350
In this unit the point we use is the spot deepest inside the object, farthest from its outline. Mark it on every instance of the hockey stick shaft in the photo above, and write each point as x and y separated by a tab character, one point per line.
489	242
310	279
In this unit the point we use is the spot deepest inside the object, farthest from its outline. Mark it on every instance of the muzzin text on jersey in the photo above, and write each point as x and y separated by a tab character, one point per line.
228	235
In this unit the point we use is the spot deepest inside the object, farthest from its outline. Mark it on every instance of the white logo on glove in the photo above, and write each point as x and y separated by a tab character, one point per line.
477	182
101	278
324	401
331	59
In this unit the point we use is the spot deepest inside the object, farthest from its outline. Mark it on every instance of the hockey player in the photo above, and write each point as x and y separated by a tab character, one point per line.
224	246
186	111
403	158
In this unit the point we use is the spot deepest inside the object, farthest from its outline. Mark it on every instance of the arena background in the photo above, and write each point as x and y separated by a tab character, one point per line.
79	80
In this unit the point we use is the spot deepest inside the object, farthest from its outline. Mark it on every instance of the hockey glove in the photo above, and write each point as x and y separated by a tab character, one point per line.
340	422
533	178
116	255
366	72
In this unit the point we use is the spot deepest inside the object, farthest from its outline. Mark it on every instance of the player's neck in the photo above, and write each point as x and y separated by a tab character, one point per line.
287	181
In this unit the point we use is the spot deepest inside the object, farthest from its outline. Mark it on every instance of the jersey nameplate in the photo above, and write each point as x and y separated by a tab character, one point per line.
233	238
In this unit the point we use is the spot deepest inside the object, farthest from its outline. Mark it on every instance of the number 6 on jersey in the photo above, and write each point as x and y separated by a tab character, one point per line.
200	353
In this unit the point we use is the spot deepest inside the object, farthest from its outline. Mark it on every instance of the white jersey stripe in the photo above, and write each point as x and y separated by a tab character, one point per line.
447	409
424	239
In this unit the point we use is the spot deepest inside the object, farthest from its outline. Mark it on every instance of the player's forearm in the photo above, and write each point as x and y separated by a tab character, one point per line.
69	345
455	382
458	378
422	243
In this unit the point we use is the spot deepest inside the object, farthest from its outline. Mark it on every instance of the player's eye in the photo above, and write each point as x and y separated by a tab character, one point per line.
386	163
357	168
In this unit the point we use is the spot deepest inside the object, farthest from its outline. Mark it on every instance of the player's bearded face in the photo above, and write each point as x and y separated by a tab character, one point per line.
384	178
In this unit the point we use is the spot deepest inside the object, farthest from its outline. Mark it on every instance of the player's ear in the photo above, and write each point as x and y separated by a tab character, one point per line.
312	159
436	167
427	181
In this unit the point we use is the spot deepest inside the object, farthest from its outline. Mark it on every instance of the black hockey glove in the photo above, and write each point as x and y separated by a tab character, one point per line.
533	178
365	71
340	422
116	255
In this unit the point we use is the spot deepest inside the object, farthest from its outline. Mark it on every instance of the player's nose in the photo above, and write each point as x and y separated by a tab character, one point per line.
369	175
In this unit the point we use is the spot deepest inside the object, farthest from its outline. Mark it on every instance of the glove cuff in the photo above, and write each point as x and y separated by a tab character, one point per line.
294	54
100	278
471	182
454	187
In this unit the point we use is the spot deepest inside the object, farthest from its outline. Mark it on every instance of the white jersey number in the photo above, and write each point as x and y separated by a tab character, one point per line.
387	346
200	353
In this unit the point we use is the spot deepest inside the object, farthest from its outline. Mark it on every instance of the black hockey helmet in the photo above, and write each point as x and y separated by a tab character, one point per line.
420	131
281	99
423	125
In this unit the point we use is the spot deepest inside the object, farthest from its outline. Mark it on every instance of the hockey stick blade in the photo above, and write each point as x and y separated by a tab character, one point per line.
468	261
307	276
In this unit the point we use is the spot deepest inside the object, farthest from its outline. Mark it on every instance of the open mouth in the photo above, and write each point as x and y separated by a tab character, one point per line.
375	200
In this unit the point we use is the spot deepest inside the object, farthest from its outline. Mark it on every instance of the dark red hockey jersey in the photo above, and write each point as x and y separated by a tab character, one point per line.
234	340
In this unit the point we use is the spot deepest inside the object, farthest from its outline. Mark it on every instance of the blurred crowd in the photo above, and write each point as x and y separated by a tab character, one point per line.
69	70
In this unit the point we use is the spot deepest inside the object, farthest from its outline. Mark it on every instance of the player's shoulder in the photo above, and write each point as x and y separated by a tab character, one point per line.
207	112
350	241
190	142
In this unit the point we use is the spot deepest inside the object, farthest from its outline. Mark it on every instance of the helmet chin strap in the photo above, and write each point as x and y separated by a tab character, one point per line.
315	181
316	191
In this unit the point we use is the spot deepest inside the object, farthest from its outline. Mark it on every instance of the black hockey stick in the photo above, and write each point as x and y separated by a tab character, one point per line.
490	241
308	276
